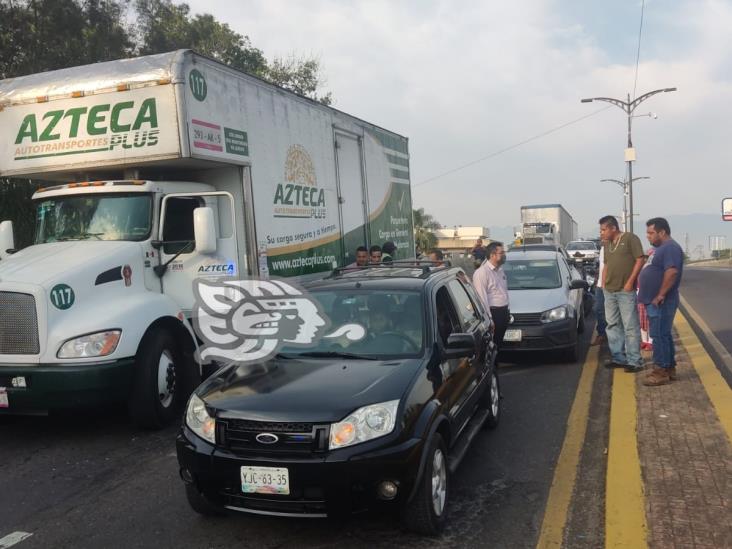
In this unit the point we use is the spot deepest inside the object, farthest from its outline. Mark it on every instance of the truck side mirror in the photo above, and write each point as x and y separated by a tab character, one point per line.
7	242
204	230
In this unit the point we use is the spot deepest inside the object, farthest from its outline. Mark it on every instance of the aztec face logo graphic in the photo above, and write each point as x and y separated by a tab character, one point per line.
249	320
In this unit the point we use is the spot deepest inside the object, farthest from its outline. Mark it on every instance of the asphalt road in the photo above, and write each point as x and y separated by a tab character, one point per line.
709	291
92	480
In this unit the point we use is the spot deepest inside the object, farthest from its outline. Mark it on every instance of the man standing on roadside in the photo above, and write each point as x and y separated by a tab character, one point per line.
659	292
490	282
624	259
478	252
599	305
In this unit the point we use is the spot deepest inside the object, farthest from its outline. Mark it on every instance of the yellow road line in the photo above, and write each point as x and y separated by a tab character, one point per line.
625	514
565	473
714	384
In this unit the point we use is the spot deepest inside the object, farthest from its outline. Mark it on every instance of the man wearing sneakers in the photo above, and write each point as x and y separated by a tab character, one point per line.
659	291
624	259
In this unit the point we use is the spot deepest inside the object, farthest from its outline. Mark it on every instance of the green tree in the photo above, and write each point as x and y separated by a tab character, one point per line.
164	26
424	227
301	75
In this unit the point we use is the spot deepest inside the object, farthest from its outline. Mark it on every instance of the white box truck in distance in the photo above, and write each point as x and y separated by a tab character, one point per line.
547	223
182	168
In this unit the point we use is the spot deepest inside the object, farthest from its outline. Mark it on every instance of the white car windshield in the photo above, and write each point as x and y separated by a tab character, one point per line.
537	274
572	246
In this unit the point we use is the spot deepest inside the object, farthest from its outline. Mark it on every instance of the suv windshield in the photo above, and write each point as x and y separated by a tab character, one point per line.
393	322
537	274
572	246
94	217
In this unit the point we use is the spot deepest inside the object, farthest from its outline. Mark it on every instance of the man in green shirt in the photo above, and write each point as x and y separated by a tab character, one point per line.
624	259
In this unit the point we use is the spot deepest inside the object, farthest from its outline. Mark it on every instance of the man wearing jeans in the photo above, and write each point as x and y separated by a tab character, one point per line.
659	292
624	259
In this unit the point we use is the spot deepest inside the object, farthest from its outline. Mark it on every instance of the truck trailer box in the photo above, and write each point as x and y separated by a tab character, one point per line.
139	153
549	223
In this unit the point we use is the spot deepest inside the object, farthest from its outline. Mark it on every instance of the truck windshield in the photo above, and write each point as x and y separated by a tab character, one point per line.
94	217
540	228
532	275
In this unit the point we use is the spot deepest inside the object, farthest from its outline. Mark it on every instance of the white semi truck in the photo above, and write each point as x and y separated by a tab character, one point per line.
163	169
547	224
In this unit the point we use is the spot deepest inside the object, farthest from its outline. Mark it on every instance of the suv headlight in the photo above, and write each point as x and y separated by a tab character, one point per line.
199	421
552	315
367	423
91	345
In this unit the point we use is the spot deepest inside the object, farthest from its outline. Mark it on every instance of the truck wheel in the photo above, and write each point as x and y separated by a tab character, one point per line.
200	504
491	400
158	392
426	513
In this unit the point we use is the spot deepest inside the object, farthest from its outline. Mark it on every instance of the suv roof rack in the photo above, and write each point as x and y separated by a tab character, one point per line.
427	267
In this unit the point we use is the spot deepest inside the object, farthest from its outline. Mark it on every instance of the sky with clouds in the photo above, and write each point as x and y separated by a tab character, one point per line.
465	79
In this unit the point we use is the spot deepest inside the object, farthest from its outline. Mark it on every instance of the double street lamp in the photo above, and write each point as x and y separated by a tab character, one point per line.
628	107
626	191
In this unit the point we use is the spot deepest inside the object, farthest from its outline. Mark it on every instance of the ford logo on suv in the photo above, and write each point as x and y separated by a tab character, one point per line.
267	438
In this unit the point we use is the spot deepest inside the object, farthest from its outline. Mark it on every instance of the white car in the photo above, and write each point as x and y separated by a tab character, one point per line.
546	298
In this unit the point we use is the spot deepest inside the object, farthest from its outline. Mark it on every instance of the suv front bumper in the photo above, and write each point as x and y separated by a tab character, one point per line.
328	484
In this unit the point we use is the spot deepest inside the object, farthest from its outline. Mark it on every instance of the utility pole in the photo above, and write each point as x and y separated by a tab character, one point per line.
629	106
626	191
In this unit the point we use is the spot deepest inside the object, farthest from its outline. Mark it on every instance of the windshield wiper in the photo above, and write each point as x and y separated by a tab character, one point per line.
331	354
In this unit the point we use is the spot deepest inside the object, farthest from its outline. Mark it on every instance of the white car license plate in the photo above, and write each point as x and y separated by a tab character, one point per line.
512	335
265	480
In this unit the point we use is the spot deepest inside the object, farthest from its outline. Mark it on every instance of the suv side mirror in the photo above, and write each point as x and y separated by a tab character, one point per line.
578	285
7	241
204	230
459	346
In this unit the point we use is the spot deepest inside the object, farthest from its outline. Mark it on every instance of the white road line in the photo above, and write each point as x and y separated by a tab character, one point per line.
717	345
12	539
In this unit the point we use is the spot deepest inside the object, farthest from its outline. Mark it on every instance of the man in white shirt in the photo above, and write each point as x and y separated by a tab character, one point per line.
490	282
601	337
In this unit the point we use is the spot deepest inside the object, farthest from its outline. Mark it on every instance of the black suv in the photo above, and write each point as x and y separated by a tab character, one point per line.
344	425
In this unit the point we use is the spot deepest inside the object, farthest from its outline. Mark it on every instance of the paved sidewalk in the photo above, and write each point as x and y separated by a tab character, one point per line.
686	462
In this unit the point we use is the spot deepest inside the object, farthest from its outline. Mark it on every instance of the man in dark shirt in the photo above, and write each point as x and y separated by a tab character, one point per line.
659	292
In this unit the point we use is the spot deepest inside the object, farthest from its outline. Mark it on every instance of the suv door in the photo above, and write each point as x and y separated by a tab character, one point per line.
472	323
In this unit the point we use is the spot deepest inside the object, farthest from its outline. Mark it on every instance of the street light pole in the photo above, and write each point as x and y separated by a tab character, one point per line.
626	192
628	107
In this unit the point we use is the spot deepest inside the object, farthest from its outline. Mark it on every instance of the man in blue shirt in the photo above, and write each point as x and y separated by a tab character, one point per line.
659	292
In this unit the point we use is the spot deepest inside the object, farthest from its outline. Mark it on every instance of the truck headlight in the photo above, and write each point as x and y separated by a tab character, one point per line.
199	421
367	423
91	345
552	315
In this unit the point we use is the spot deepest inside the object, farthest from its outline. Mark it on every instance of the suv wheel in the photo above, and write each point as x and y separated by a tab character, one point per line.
491	400
426	513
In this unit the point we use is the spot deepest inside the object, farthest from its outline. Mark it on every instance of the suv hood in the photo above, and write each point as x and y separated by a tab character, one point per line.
312	390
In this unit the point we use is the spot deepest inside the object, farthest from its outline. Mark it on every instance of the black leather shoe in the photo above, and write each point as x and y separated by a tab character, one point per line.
633	369
611	364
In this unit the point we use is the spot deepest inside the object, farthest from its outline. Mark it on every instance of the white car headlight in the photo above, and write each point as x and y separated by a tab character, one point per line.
364	424
92	345
558	313
199	421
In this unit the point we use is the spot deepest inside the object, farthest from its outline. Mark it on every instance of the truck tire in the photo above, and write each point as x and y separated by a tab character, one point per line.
158	391
426	514
200	504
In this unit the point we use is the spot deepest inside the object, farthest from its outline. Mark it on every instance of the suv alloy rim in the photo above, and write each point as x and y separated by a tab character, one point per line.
439	482
494	395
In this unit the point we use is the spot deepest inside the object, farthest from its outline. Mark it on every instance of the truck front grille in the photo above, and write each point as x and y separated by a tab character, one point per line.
18	324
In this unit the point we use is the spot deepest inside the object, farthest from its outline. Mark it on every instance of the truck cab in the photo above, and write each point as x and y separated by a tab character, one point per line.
108	280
